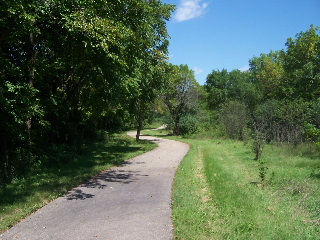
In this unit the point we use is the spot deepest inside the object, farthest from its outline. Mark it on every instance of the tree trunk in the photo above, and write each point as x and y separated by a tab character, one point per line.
140	125
176	129
31	82
4	158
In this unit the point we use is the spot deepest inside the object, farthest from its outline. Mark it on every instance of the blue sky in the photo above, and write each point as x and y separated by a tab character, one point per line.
215	34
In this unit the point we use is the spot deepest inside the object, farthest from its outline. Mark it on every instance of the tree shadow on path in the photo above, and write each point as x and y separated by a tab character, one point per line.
101	181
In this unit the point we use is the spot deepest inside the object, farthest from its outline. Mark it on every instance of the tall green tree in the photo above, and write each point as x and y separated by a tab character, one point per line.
267	74
301	63
65	64
143	91
150	49
181	95
223	86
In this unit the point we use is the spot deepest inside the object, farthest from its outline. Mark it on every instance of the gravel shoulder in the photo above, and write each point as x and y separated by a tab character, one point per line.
131	201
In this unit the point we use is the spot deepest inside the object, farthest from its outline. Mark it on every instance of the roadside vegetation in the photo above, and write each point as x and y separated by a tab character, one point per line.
253	171
221	192
25	195
72	71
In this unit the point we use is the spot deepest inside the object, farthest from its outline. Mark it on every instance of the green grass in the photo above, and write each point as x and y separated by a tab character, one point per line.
219	194
24	196
153	125
251	209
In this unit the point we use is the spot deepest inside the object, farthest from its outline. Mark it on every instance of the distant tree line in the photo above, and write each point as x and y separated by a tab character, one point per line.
277	99
70	68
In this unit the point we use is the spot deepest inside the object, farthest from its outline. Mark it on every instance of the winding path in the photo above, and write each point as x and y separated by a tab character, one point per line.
132	201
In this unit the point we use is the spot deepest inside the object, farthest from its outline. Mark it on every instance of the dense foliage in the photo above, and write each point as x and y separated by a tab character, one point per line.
277	98
69	68
181	98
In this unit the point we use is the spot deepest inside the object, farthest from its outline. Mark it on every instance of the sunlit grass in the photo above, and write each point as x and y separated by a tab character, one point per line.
219	194
252	209
24	196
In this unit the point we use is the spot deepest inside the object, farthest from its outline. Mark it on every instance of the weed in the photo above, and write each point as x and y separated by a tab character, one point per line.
315	173
263	172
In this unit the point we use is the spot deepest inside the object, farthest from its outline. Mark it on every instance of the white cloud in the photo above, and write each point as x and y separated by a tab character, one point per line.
197	70
189	9
244	69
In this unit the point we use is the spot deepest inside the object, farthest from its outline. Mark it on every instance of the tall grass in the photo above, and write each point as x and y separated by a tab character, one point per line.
219	193
249	209
26	195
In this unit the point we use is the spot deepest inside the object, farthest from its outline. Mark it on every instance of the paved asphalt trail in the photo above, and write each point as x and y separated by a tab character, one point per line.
131	201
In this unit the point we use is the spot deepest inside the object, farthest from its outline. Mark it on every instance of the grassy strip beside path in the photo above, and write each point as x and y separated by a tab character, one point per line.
249	208
219	192
24	196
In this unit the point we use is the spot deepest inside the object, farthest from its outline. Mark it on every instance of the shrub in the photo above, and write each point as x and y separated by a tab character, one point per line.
282	121
234	118
189	124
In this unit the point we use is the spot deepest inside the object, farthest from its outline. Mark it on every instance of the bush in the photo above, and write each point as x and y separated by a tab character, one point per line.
282	121
313	134
315	112
234	118
189	124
